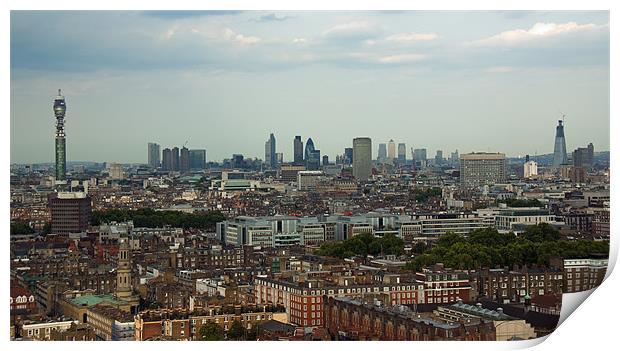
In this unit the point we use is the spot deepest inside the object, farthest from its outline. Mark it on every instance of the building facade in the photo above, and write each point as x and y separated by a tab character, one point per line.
362	163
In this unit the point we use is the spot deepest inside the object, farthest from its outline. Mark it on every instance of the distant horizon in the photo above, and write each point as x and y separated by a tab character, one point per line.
222	81
285	162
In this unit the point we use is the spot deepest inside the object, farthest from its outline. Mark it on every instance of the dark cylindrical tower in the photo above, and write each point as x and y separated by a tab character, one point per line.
61	157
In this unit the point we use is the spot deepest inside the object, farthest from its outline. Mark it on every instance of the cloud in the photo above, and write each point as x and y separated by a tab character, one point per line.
537	32
500	69
404	38
272	17
402	58
178	14
352	30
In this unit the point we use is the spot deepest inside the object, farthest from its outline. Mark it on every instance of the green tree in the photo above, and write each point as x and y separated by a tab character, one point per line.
236	331
21	228
211	332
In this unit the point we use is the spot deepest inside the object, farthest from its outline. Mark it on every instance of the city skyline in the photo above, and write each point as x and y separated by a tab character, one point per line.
415	77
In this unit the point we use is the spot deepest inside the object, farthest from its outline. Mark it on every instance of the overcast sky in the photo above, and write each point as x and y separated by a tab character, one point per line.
222	81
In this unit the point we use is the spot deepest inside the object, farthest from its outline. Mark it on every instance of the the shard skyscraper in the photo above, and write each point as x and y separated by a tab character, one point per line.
559	151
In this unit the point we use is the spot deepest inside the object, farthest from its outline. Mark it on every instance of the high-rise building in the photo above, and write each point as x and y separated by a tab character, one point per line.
439	158
184	160
312	157
325	160
530	169
419	154
362	163
382	152
167	160
480	168
402	153
391	150
70	212
176	159
197	159
115	171
559	150
60	108
153	155
348	155
298	150
584	156
454	158
271	160
237	161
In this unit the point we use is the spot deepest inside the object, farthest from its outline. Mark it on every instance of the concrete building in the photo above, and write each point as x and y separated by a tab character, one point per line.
198	159
530	169
176	159
70	212
391	150
298	151
166	161
583	274
482	168
419	157
270	152
402	153
116	171
362	163
307	180
184	160
382	152
288	173
516	219
154	155
506	327
584	157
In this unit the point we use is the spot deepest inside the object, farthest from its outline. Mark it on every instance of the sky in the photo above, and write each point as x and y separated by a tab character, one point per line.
223	80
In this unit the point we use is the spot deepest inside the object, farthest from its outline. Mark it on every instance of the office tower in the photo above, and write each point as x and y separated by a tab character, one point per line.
115	171
309	148
559	150
279	158
175	159
60	108
391	150
270	152
70	212
419	154
454	158
382	152
237	161
439	158
402	153
166	160
312	157
184	160
362	151
348	155
298	151
325	160
153	155
584	156
314	160
197	159
530	169
480	168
